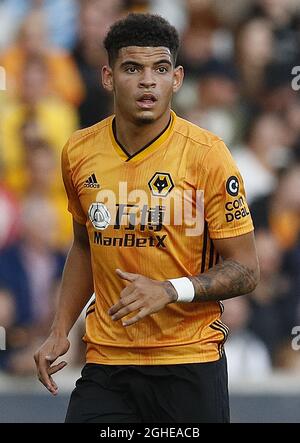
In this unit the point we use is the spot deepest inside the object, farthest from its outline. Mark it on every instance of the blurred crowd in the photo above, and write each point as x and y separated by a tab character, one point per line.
238	58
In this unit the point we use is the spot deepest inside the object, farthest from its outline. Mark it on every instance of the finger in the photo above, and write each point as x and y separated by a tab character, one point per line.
124	294
127	291
48	382
51	385
127	275
128	309
143	313
53	369
54	390
123	303
44	376
54	385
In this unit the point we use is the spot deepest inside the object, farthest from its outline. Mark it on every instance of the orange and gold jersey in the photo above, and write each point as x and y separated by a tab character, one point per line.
154	213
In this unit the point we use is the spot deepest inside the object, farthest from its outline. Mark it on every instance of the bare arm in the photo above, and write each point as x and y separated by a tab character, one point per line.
238	274
75	291
77	282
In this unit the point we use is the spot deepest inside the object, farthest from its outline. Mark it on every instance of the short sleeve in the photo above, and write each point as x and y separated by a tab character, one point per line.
74	205
225	207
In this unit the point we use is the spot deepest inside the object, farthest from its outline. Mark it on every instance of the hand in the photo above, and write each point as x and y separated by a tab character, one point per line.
142	294
51	349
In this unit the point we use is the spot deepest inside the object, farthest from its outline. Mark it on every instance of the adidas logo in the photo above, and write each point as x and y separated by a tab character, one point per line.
91	182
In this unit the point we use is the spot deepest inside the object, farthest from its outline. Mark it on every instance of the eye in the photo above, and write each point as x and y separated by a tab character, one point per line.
162	69
131	69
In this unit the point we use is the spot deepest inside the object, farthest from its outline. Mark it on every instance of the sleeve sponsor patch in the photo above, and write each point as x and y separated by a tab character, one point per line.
233	186
236	209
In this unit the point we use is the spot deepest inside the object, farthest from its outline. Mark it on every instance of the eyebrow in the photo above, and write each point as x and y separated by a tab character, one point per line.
163	61
130	62
134	63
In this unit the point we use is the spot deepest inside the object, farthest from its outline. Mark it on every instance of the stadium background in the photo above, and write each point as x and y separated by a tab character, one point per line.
240	60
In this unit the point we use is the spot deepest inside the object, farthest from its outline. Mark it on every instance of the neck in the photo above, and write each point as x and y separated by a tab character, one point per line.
133	136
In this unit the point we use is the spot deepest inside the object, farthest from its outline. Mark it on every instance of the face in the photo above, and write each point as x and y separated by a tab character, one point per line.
143	80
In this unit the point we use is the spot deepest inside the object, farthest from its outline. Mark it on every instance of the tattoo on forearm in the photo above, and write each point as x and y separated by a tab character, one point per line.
171	291
225	280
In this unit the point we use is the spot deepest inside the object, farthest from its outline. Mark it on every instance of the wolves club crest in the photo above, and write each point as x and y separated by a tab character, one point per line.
161	184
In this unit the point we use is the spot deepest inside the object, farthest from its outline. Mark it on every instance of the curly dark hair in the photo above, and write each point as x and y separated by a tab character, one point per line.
141	30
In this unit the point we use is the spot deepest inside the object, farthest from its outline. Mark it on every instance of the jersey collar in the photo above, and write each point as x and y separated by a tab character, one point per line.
145	150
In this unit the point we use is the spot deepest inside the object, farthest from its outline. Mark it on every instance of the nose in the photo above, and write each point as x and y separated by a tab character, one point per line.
147	79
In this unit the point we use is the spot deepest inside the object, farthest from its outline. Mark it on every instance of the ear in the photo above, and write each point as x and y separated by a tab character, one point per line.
178	78
107	78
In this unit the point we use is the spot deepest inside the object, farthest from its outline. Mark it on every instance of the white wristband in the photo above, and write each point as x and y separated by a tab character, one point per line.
184	288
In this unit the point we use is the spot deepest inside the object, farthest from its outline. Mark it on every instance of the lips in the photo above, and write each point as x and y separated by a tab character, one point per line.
146	100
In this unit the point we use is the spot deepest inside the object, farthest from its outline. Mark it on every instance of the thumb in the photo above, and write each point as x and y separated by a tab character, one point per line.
126	275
